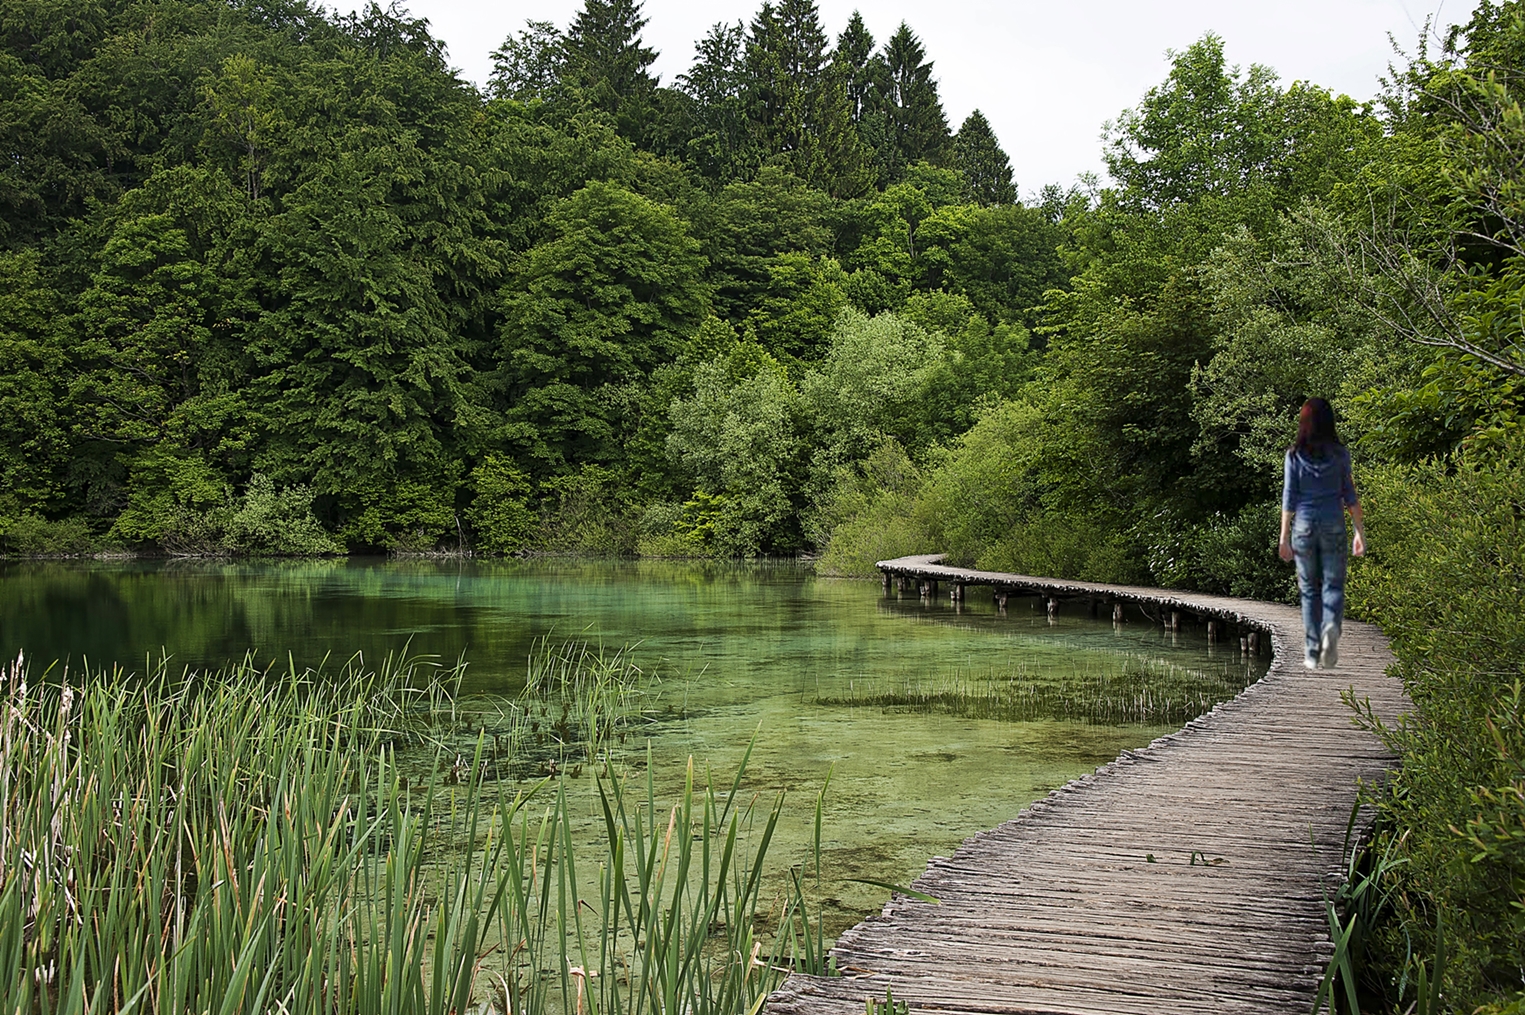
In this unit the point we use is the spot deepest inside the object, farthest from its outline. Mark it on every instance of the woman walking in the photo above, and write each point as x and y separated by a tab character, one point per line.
1316	489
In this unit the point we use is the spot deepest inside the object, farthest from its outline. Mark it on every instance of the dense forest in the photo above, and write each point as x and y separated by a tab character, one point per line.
279	282
282	283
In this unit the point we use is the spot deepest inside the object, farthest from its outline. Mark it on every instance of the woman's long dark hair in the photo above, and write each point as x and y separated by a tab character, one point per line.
1315	429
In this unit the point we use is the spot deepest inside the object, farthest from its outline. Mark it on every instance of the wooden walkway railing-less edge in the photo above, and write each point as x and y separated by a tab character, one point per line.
1061	909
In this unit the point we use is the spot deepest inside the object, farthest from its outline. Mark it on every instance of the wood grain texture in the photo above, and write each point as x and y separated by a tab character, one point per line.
1060	911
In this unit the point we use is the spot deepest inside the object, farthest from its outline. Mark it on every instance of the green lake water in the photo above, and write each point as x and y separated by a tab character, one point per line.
891	695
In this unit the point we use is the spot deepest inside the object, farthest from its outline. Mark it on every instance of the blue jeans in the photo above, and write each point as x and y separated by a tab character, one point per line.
1319	547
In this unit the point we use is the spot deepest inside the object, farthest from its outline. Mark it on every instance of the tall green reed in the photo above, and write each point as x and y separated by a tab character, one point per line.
224	842
249	842
580	700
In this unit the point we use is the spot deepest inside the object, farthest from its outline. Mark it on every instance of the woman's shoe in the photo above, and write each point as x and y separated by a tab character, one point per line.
1329	648
1310	661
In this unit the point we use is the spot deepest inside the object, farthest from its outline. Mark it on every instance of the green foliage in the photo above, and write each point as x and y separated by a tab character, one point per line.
33	438
799	103
793	316
870	383
986	168
179	504
871	515
682	531
738	437
529	65
1230	554
1444	578
906	123
605	61
748	225
615	291
721	144
587	511
291	245
174	502
273	522
32	535
500	512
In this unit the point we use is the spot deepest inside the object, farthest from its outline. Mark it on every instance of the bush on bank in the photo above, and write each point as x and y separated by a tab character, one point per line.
1445	579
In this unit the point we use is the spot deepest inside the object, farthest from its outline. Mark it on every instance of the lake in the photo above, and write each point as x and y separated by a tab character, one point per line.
934	720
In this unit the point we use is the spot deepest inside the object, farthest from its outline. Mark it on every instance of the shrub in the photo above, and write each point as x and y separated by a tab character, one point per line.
871	515
588	511
501	513
668	529
32	535
1228	554
1444	577
277	523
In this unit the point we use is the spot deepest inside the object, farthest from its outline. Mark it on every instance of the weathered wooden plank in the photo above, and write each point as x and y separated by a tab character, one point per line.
1059	912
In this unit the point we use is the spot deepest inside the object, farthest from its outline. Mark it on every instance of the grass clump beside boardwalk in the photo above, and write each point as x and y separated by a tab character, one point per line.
248	842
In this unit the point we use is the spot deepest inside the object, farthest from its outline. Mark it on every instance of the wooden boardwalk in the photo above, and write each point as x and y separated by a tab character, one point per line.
1061	910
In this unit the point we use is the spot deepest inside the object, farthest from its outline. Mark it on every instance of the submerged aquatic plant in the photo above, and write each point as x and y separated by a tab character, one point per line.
1146	691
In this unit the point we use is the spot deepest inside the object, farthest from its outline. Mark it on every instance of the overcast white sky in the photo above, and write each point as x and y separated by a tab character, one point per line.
1046	74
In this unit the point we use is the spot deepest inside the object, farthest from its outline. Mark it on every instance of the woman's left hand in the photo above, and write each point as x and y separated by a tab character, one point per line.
1358	545
1284	550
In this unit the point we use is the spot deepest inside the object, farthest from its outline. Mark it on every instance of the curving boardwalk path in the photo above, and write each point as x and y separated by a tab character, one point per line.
1060	911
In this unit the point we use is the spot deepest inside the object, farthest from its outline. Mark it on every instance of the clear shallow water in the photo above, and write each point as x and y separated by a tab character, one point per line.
739	650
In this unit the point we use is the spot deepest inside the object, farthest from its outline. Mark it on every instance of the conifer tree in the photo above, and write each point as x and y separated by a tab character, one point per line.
855	56
978	155
720	142
786	53
799	104
915	126
606	60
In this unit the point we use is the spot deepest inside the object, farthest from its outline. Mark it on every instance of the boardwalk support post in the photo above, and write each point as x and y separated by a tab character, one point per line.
1117	613
1053	607
1175	620
1212	632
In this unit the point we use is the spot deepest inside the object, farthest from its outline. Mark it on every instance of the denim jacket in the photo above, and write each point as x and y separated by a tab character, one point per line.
1318	490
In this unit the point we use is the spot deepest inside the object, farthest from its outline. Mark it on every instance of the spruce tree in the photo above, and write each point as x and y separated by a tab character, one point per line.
606	61
720	142
786	53
799	104
915	126
978	155
855	57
